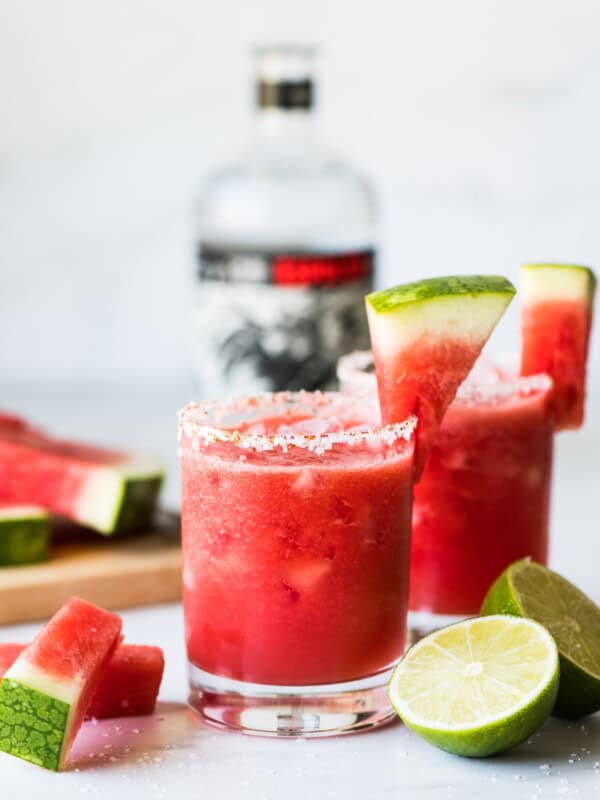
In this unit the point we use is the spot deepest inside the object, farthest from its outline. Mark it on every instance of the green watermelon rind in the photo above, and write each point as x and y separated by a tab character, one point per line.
24	536
394	299
461	309
120	498
578	280
33	725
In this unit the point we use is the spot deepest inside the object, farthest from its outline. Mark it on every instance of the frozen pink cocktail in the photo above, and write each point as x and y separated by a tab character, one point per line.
296	541
483	499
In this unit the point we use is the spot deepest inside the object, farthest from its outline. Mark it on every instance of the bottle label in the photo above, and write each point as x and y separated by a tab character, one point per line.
269	321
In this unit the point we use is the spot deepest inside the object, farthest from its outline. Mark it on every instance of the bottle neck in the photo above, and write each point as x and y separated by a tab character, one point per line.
276	122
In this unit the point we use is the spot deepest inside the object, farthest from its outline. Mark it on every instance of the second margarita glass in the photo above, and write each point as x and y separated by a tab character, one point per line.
483	499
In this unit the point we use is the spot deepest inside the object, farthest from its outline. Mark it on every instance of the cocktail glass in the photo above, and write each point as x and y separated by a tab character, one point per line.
483	499
296	514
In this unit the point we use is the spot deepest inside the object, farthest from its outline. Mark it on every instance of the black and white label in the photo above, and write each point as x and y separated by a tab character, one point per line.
275	321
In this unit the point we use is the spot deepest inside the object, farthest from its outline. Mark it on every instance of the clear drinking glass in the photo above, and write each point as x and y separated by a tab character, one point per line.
483	499
296	541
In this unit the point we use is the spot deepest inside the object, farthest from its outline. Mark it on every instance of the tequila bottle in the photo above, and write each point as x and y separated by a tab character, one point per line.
285	248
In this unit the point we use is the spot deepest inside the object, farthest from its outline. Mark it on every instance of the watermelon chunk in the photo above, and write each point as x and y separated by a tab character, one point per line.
45	694
128	688
425	338
103	489
130	685
24	534
556	319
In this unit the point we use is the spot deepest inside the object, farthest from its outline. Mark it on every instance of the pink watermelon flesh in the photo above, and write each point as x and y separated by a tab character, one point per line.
104	489
46	692
423	380
8	655
129	686
555	340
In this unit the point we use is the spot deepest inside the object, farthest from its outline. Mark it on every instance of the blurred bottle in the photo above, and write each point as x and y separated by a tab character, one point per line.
285	248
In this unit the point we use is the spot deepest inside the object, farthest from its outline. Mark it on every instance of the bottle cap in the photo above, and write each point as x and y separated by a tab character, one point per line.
285	76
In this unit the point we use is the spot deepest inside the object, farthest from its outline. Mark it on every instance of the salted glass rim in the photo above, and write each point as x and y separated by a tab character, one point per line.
196	421
351	368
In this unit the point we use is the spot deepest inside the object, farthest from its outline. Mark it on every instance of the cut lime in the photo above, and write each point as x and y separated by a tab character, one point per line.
527	589
478	687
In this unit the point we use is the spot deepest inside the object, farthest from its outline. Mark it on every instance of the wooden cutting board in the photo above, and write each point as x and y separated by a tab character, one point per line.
114	573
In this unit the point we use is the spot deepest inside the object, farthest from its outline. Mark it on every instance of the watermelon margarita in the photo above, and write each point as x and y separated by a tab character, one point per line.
296	542
483	499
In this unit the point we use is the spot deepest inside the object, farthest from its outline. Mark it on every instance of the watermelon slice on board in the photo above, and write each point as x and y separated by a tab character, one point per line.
129	686
556	319
45	694
426	337
24	534
107	490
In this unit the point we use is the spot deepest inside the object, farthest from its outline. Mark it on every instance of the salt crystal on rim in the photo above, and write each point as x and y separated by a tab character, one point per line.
488	382
200	422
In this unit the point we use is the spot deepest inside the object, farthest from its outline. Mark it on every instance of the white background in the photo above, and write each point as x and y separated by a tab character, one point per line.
478	120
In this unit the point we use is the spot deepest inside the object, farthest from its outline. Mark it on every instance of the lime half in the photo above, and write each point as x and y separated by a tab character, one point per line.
478	687
529	590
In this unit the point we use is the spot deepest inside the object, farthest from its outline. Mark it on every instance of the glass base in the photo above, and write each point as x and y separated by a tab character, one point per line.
422	623
291	711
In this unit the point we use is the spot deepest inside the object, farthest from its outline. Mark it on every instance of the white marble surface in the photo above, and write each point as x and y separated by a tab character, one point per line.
171	756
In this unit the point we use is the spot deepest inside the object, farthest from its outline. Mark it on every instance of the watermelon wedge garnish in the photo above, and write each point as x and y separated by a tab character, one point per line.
129	686
556	319
425	338
107	490
24	534
45	694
